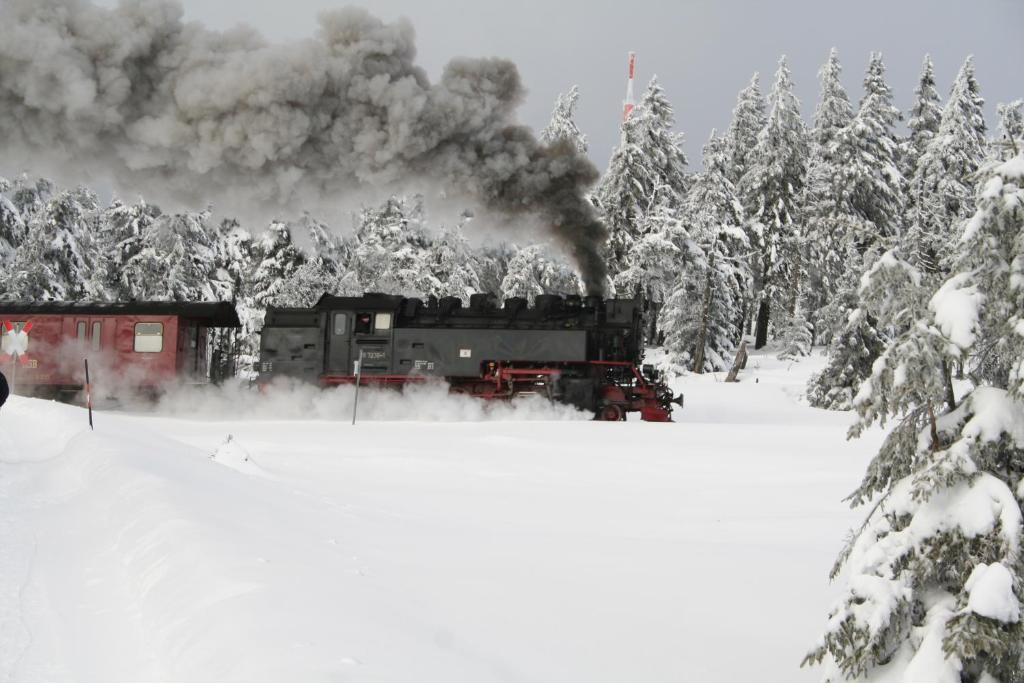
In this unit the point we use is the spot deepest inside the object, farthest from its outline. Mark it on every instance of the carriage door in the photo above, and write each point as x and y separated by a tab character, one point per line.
339	335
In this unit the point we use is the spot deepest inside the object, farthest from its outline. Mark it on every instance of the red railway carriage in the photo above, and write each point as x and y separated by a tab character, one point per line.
137	345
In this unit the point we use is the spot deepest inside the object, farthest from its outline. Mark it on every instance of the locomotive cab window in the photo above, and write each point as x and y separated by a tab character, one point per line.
97	335
340	324
149	337
80	330
382	322
364	323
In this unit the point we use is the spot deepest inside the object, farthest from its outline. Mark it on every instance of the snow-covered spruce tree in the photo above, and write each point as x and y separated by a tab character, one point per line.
647	170
491	266
663	146
770	190
934	575
393	249
853	201
124	230
452	263
873	177
532	271
60	258
562	126
175	260
748	120
12	226
824	209
306	284
624	193
865	315
653	263
1010	139
941	190
277	259
925	116
703	315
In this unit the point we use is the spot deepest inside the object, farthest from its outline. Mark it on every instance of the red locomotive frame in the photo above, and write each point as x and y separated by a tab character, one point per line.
627	391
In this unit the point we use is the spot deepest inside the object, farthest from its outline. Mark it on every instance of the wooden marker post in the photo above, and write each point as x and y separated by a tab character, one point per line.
88	393
359	377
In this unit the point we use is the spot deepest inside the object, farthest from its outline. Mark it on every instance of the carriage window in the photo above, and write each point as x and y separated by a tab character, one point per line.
149	337
340	323
97	329
80	330
363	321
383	322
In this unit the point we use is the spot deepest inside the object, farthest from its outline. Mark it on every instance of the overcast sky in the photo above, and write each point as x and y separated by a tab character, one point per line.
703	51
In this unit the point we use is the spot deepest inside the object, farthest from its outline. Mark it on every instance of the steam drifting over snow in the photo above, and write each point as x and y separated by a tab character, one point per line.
172	108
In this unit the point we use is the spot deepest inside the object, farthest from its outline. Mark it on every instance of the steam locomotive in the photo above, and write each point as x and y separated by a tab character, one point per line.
585	351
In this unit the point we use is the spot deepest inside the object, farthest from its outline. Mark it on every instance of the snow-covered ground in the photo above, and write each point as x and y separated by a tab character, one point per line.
424	550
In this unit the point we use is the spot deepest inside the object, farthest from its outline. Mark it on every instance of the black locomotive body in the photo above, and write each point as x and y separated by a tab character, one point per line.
580	350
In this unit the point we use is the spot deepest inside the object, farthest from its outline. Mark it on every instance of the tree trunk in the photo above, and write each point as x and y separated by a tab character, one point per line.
761	332
705	315
947	375
739	363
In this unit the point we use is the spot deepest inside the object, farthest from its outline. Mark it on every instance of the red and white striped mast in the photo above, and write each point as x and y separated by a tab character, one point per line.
629	102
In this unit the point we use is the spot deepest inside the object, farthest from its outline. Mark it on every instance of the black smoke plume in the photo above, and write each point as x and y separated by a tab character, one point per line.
178	111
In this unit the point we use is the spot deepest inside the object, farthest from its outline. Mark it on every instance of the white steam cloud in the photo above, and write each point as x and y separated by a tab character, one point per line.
176	110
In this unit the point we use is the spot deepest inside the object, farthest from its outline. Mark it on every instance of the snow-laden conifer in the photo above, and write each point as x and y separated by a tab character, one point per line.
276	258
392	250
826	212
537	269
60	257
941	190
924	120
703	313
624	193
562	127
748	120
934	574
452	262
771	189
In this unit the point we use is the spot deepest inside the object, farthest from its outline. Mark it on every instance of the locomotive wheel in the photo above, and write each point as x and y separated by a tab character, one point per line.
610	413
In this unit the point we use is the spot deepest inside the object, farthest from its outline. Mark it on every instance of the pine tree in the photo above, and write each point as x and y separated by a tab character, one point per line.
934	574
452	263
925	116
826	215
1010	140
624	193
124	230
942	186
174	259
562	126
59	258
864	316
12	226
748	120
771	188
277	259
532	272
872	164
306	284
702	316
393	249
647	171
663	147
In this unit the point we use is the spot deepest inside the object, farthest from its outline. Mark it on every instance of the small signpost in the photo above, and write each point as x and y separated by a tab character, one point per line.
88	393
359	377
